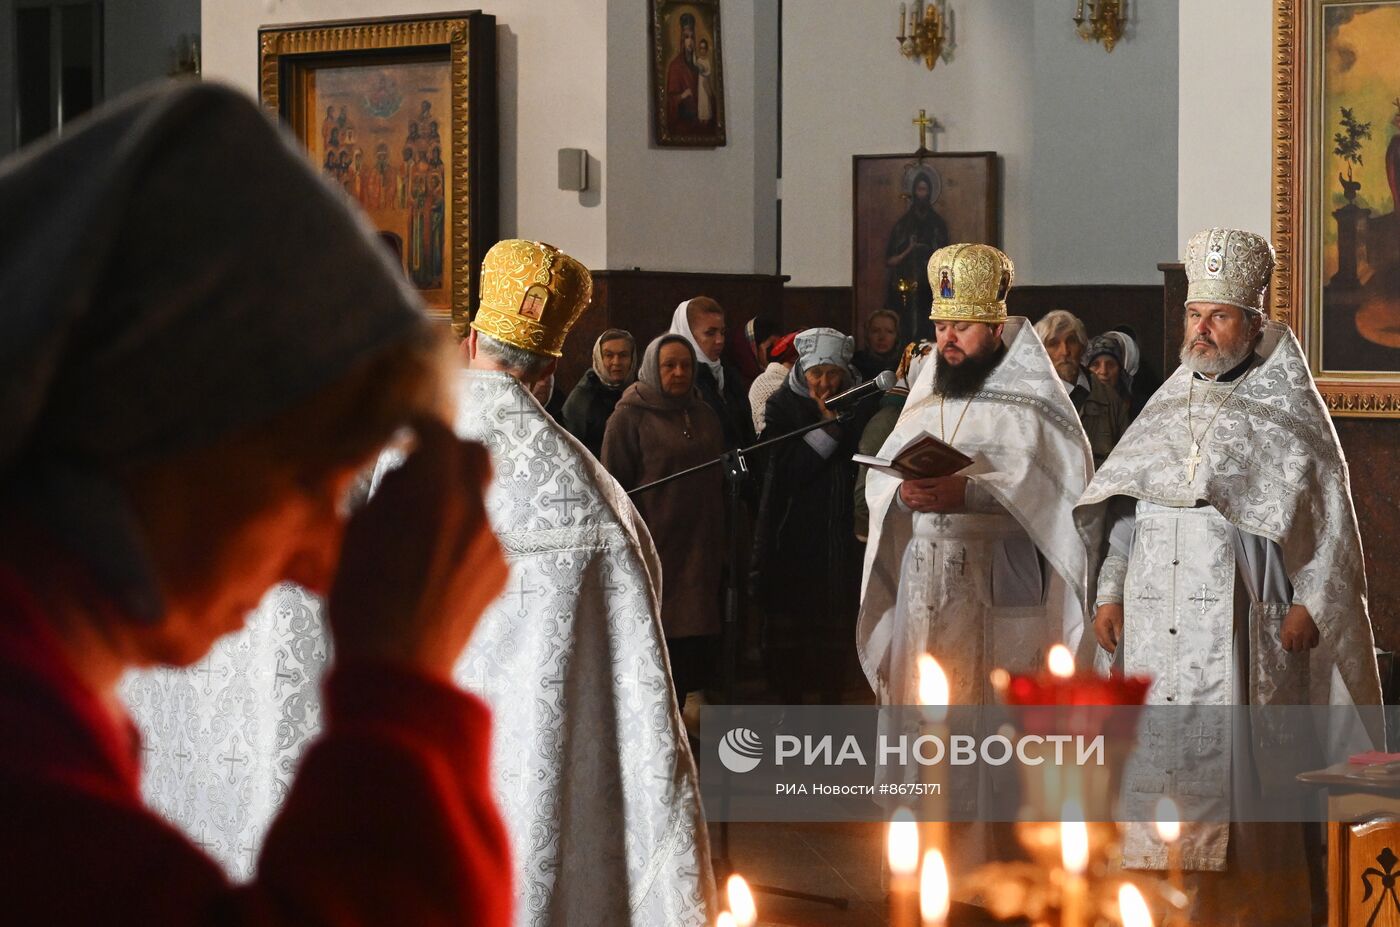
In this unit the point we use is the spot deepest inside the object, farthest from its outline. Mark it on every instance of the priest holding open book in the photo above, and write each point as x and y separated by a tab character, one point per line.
973	552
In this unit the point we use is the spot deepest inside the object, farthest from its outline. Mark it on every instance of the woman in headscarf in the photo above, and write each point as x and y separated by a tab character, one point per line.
883	349
661	426
1141	381
200	348
589	406
806	554
1103	358
700	321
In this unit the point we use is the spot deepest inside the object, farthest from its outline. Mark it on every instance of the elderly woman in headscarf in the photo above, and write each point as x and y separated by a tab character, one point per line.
1104	359
187	392
592	401
700	321
805	549
747	346
661	426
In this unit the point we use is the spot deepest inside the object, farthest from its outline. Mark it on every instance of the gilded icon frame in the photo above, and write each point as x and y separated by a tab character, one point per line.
665	19
463	47
1308	293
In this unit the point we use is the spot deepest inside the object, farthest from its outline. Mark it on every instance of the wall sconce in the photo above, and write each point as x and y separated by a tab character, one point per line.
925	31
1105	22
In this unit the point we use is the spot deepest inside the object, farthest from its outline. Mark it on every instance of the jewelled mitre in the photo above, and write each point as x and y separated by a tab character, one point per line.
531	295
1228	266
969	284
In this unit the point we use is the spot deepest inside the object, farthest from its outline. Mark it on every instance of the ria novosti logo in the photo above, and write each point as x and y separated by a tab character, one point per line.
740	750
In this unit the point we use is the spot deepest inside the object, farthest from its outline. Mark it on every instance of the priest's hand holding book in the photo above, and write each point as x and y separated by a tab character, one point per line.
929	470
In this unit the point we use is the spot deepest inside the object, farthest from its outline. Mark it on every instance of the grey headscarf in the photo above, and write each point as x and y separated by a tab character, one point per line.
614	334
171	270
649	374
818	346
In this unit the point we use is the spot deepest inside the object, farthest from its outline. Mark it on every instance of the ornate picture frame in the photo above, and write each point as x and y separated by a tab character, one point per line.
687	77
409	131
1336	197
904	207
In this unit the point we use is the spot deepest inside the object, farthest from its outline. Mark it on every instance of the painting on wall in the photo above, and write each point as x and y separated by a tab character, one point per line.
1336	193
687	80
399	116
905	208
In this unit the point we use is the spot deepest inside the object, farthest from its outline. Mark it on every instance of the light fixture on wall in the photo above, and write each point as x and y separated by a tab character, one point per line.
925	31
1104	22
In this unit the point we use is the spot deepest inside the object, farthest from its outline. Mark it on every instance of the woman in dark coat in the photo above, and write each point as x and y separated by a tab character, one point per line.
806	553
661	426
592	401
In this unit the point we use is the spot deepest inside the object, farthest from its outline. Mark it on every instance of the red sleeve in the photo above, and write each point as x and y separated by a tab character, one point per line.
390	819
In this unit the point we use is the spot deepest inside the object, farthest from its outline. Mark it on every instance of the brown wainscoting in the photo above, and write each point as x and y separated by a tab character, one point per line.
818	307
643	301
1102	307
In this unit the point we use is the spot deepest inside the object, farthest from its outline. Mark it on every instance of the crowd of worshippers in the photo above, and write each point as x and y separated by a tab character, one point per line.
707	386
447	699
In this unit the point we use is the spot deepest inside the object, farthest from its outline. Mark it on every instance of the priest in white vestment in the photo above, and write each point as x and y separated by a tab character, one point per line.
985	568
1232	574
593	772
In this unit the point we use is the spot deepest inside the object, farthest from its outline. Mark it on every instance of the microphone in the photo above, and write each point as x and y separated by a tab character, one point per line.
883	383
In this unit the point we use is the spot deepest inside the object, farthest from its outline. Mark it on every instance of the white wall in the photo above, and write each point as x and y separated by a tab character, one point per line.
551	67
1226	81
1087	139
703	210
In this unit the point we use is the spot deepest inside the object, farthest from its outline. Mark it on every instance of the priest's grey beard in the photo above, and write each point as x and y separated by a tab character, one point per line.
1223	361
965	379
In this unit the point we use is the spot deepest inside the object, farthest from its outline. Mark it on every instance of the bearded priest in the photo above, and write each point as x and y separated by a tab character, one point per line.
1232	574
984	568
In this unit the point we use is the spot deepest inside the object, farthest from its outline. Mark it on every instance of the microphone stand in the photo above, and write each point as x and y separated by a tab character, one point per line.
736	475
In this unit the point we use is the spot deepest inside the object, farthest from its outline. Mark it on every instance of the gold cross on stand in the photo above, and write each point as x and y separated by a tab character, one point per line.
924	123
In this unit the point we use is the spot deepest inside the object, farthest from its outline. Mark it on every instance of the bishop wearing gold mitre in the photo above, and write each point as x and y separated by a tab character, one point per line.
983	568
593	772
1232	575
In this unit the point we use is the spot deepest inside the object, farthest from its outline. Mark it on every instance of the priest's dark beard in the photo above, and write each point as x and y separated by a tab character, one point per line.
961	381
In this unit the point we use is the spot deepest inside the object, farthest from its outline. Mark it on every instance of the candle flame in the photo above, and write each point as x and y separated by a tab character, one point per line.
903	844
933	890
1168	821
1061	661
1074	839
1132	907
725	919
1001	680
933	682
741	901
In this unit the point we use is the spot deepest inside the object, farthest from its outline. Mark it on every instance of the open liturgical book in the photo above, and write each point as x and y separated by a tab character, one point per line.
921	457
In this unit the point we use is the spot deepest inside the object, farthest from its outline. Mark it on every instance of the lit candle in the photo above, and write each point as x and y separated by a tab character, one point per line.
1060	662
903	12
1169	831
745	912
903	855
725	919
1132	907
1074	855
934	893
934	697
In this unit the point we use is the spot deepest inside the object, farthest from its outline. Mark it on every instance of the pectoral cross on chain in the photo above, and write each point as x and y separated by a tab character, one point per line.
1192	461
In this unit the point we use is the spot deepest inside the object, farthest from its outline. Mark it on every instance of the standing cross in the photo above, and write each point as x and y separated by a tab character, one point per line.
924	123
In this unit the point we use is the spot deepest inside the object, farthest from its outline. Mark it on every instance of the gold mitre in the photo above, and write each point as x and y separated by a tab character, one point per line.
969	284
1228	266
531	295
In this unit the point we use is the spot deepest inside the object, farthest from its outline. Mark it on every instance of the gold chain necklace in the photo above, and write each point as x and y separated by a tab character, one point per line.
1193	459
942	430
